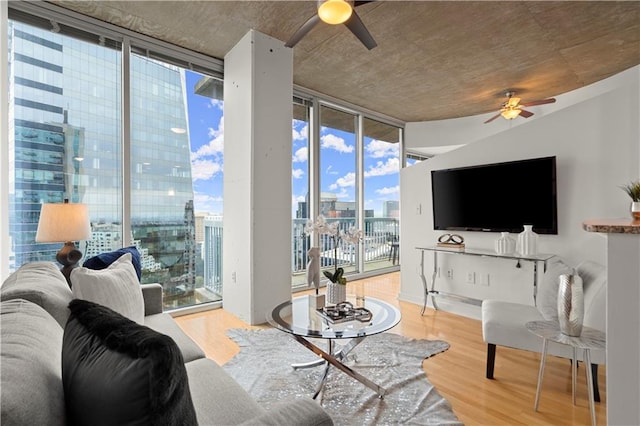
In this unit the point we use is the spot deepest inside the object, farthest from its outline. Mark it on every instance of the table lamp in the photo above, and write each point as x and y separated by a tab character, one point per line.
64	223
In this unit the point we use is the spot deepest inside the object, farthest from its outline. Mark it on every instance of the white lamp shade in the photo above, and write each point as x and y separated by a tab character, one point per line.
60	223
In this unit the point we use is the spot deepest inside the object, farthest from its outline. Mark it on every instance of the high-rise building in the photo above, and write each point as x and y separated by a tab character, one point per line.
212	254
391	208
65	109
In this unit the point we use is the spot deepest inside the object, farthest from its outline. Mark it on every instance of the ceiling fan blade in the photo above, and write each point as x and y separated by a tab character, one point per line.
492	118
525	113
357	27
540	102
303	30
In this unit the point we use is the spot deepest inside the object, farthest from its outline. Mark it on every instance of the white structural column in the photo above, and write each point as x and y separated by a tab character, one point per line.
623	318
623	329
258	91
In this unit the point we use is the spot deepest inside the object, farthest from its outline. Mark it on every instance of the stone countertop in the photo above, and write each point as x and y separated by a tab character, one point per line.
612	226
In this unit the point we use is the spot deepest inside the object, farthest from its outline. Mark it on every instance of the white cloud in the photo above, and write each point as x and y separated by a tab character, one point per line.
205	198
206	203
388	190
299	199
379	149
334	142
347	180
391	166
216	103
300	155
204	169
342	194
297	173
215	146
213	133
299	135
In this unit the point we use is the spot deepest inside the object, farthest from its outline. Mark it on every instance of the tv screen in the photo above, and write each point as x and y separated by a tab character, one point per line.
500	197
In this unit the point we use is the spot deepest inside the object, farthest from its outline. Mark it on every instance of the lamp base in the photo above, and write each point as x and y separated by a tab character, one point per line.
68	257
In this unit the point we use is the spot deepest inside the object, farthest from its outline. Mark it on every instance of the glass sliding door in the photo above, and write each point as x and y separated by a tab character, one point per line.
381	194
176	179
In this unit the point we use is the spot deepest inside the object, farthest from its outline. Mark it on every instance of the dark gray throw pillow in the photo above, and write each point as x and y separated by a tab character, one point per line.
118	372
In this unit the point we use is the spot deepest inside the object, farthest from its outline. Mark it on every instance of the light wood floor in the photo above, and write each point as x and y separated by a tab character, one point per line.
459	373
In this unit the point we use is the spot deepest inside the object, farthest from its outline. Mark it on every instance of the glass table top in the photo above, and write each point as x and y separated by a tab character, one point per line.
297	317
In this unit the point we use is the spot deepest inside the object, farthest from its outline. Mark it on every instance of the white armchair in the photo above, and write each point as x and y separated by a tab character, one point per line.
503	323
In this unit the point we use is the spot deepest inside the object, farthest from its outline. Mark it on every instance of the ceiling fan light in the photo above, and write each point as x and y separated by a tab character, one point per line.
510	113
334	12
513	102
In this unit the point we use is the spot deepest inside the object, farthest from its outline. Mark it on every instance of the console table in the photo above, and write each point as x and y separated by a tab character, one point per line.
472	252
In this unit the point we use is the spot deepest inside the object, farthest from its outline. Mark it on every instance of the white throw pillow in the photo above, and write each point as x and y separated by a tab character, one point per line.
116	287
547	298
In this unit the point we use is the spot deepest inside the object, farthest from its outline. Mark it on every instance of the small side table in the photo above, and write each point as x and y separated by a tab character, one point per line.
589	339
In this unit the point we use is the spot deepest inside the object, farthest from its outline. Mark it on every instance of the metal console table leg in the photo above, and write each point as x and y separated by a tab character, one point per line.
433	281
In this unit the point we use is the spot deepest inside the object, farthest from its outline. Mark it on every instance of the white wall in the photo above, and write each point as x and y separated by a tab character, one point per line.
258	88
593	132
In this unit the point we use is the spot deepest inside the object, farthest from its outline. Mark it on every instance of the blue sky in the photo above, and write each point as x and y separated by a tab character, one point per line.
338	159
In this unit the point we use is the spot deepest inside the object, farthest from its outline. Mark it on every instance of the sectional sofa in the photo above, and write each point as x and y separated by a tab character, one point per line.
40	334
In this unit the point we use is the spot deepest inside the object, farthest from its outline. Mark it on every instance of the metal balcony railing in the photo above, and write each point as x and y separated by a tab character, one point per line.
378	234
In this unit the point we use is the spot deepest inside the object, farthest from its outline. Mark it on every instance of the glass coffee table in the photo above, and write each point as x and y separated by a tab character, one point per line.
298	318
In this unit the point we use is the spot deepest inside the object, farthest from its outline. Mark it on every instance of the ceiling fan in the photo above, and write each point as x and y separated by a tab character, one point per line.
335	12
512	107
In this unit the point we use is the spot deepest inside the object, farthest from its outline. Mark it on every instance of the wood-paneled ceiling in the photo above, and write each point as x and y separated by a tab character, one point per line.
434	60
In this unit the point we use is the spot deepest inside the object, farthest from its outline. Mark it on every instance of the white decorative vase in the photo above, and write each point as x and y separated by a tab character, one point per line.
527	242
505	244
635	210
570	304
336	293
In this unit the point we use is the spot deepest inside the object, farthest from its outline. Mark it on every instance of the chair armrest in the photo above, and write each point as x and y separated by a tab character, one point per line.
300	412
152	295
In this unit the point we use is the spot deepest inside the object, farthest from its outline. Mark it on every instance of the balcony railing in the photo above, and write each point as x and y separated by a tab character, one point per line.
378	234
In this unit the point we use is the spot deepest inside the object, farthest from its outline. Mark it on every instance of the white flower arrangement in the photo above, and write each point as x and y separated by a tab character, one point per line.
352	236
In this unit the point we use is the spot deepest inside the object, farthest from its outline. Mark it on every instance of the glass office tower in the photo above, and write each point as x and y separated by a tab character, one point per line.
66	143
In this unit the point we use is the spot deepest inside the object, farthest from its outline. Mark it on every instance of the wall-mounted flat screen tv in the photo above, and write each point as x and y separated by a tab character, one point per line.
499	197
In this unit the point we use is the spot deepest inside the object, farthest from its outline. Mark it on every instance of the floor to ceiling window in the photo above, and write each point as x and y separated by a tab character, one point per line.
65	110
67	142
300	180
176	118
338	186
381	194
345	167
